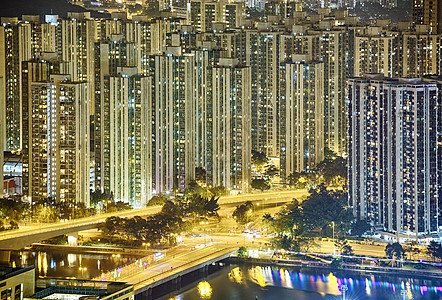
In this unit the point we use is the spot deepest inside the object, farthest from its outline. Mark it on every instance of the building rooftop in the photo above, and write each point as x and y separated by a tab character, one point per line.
68	289
9	272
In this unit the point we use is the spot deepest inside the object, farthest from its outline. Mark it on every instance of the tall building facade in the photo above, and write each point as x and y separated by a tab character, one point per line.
393	157
109	56
60	140
130	137
428	12
15	47
262	55
231	142
2	132
173	126
35	127
302	122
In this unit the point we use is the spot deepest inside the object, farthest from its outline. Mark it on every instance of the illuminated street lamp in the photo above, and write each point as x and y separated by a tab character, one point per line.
82	269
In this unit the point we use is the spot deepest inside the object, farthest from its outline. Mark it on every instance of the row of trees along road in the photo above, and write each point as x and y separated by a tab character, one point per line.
297	224
176	216
332	172
13	209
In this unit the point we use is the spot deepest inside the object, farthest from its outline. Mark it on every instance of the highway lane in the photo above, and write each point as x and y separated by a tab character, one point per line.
224	201
45	231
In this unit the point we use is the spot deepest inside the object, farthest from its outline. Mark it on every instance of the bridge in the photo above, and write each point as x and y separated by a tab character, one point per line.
20	238
153	279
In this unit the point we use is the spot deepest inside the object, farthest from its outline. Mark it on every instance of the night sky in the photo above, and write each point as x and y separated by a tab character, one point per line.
16	8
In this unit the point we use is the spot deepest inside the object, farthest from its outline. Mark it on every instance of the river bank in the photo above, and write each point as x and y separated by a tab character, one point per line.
421	274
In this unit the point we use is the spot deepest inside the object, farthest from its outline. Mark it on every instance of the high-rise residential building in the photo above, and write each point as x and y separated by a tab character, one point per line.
129	171
421	53
109	56
262	55
173	133
148	38
378	51
234	14
283	9
428	12
231	126
301	115
2	132
15	47
203	14
393	157
76	39
205	60
437	79
35	127
333	43
59	165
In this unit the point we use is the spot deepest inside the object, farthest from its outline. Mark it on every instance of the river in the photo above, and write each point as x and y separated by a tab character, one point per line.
241	282
61	264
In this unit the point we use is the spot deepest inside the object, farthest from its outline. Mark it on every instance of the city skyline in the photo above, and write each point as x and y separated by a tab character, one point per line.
201	88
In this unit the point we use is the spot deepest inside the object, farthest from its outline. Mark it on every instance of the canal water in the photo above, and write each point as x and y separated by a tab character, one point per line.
61	264
242	282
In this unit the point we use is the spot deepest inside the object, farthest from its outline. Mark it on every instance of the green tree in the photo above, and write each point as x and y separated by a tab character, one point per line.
13	208
344	247
360	227
259	159
243	252
201	207
171	209
13	225
112	226
70	209
329	154
99	199
242	214
293	179
322	207
434	249
394	251
211	206
271	171
337	263
200	175
334	171
117	206
193	188
45	214
218	191
261	184
157	200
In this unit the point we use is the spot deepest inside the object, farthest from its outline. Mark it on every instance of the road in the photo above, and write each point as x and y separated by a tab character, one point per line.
17	239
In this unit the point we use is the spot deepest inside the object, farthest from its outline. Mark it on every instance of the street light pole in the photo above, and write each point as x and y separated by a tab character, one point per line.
334	250
344	288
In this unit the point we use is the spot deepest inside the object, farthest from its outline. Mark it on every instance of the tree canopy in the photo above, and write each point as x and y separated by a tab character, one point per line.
261	184
394	251
242	214
434	249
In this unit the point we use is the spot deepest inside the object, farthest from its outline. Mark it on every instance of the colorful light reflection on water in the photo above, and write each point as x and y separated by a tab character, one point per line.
273	282
332	285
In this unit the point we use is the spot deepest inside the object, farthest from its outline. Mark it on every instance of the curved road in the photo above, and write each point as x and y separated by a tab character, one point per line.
20	238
